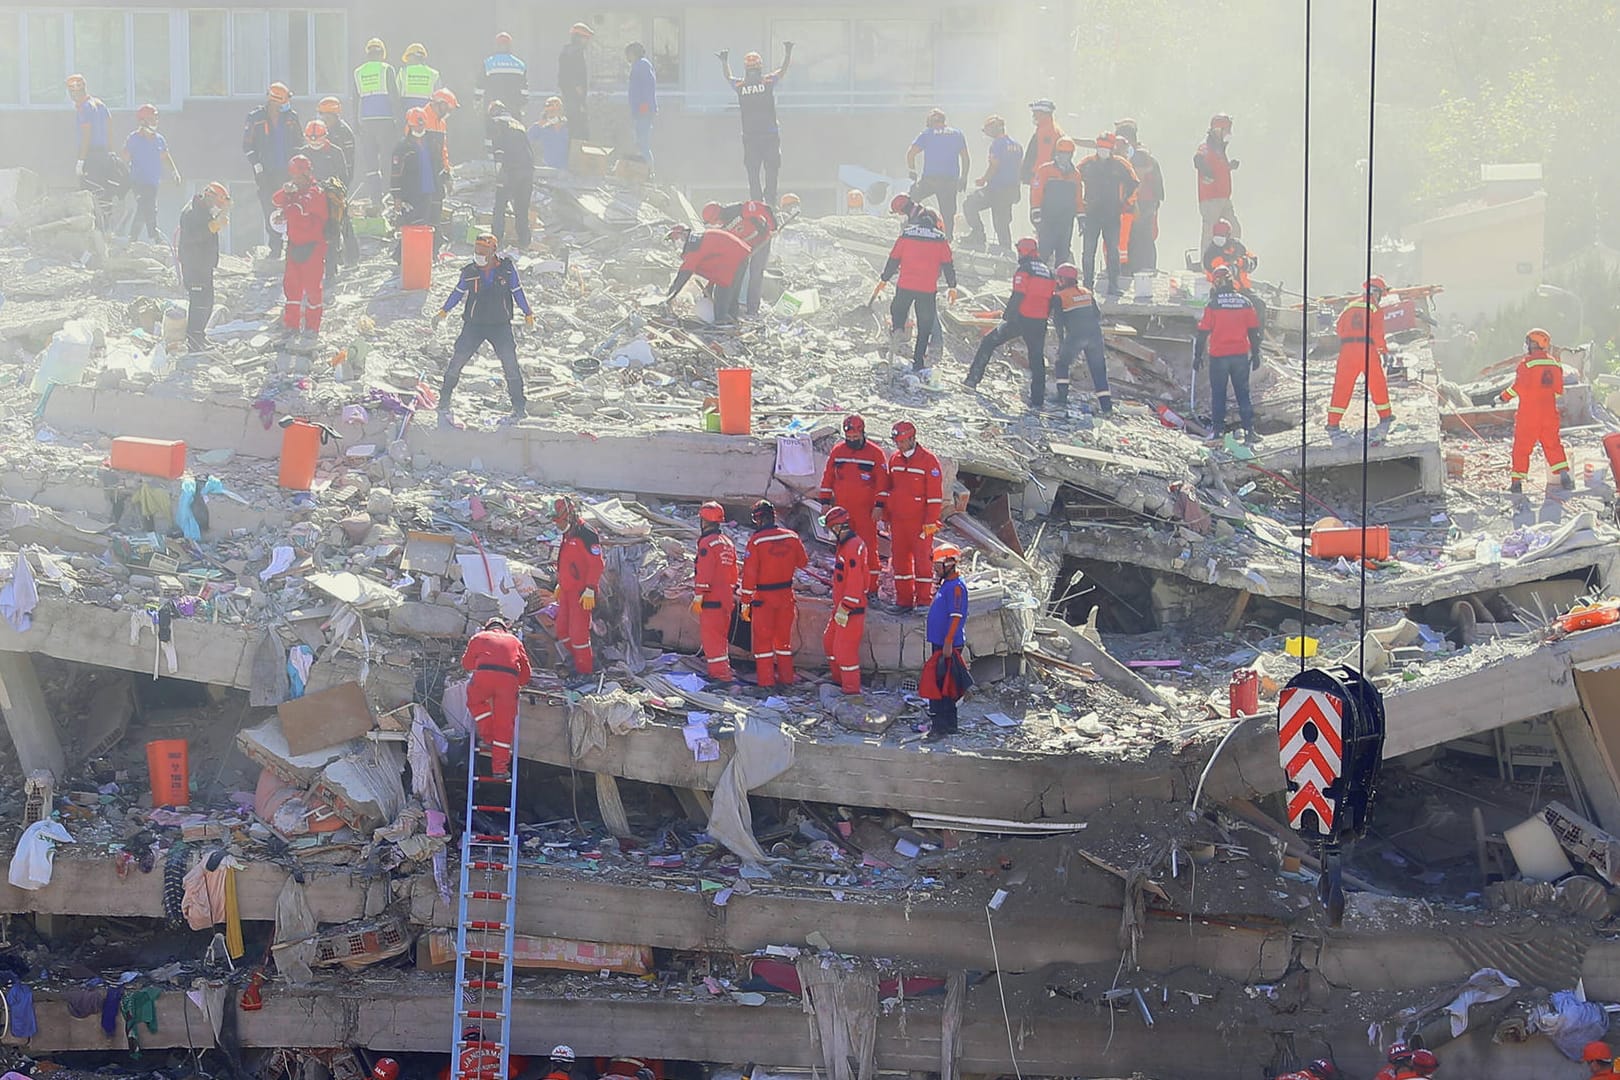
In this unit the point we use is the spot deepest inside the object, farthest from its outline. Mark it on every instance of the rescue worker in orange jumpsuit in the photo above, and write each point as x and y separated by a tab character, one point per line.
1537	385
916	499
857	479
579	572
1599	1058
920	255
1056	201
500	668
718	257
774	554
1028	308
302	205
714	584
842	638
1215	176
1043	143
1361	353
1320	1069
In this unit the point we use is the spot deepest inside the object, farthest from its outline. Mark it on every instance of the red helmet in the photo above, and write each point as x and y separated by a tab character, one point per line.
1222	228
1537	338
315	132
1220	122
145	113
1067	272
300	166
1029	247
1425	1059
1221	273
835	517
712	213
1323	1069
947	552
415	120
1399	1053
563	509
1107	141
503	40
386	1068
1375	284
854	424
901	204
905	429
763	512
1597	1051
712	511
446	97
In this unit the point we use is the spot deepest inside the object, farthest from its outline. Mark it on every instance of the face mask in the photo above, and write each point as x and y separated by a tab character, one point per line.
418	134
214	211
1105	154
1130	152
481	260
1063	161
287	107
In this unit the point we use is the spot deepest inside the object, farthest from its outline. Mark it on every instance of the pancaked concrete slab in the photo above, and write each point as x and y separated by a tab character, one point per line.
33	730
207	652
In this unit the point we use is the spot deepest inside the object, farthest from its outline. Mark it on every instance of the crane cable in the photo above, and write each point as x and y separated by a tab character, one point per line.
1366	345
1305	346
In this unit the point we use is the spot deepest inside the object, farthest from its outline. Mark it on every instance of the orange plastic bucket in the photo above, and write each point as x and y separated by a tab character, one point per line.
300	450
736	400
416	256
169	762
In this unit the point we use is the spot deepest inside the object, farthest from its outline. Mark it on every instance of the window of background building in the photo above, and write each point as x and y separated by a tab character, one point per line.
893	54
292	32
661	34
820	57
10	58
665	49
154	64
331	52
250	49
100	54
47	59
974	61
208	51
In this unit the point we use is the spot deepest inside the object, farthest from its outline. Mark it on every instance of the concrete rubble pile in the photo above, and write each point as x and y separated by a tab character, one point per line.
1123	577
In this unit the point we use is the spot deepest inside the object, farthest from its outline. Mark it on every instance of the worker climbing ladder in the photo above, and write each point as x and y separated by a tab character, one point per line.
481	1036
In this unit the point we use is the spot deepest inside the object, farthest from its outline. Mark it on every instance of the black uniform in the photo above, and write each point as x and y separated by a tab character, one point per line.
514	160
762	138
572	83
418	181
270	140
199	255
488	294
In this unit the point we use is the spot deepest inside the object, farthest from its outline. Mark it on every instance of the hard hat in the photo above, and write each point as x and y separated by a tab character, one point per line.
1425	1059
946	552
472	1034
1124	122
854	199
763	511
497	108
1064	145
1067	272
146	112
1538	339
790	201
1221	120
581	28
329	105
678	232
835	517
753	59
1597	1051
1324	1069
712	511
1222	228
1107	141
387	1068
1029	246
496	623
563	509
854	424
218	194
1375	282
904	429
1221	273
936	113
377	44
1043	105
562	1053
301	166
279	93
900	204
446	96
315	131
75	83
926	216
993	125
414	51
485	244
415	120
503	40
553	103
1399	1053
712	213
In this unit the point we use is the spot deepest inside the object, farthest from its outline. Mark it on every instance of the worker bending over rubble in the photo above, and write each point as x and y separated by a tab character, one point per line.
1599	1060
916	499
1028	308
302	209
490	286
945	679
856	479
1538	383
579	573
775	553
500	668
1362	348
1079	326
756	223
718	257
851	587
714	584
920	255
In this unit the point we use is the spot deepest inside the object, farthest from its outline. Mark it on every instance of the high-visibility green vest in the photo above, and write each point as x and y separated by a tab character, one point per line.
371	77
417	81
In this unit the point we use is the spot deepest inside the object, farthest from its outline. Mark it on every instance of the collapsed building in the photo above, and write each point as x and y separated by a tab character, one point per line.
1091	879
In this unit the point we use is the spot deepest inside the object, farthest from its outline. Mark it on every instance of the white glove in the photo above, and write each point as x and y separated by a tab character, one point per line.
258	170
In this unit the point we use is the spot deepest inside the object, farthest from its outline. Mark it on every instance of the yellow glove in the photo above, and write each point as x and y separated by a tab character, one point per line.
528	320
587	599
950	295
697	605
747	613
930	530
439	316
841	617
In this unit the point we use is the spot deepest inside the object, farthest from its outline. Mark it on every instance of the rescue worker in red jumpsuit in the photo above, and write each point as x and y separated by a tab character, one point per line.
756	223
1599	1059
718	257
302	205
479	1060
1537	385
579	572
842	638
1397	1058
857	479
1027	311
1406	1063
714	584
774	554
1320	1069
916	498
1228	334
920	255
1361	352
500	668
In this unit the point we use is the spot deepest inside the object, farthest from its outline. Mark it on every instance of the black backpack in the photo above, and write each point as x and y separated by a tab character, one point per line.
337	205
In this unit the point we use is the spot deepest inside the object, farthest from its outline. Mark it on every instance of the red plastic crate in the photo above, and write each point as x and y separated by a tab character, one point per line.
150	457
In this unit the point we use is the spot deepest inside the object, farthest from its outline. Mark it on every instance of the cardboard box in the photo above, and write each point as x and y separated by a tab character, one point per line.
587	160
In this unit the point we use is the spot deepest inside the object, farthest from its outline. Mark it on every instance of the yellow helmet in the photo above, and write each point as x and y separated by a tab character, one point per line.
376	44
414	51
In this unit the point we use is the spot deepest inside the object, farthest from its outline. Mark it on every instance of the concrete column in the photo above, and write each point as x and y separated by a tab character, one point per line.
33	731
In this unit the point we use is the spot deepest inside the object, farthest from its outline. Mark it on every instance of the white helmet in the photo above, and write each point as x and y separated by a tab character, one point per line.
562	1053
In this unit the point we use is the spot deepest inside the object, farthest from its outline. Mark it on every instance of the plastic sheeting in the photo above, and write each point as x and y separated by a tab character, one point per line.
1570	1022
762	752
294	943
36	853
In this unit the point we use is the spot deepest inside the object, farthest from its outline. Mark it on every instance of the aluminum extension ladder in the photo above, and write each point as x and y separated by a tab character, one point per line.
486	915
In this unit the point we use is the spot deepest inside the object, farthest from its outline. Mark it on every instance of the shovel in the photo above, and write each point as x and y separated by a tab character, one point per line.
863	316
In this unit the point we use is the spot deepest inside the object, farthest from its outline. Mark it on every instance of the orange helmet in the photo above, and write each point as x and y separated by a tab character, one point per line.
788	202
1067	272
581	29
855	199
1107	141
854	424
563	508
947	552
1221	274
445	97
1029	247
712	511
835	517
75	84
217	194
753	60
1064	145
279	93
485	244
315	132
415	121
385	1069
503	40
713	212
904	429
333	105
1538	339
